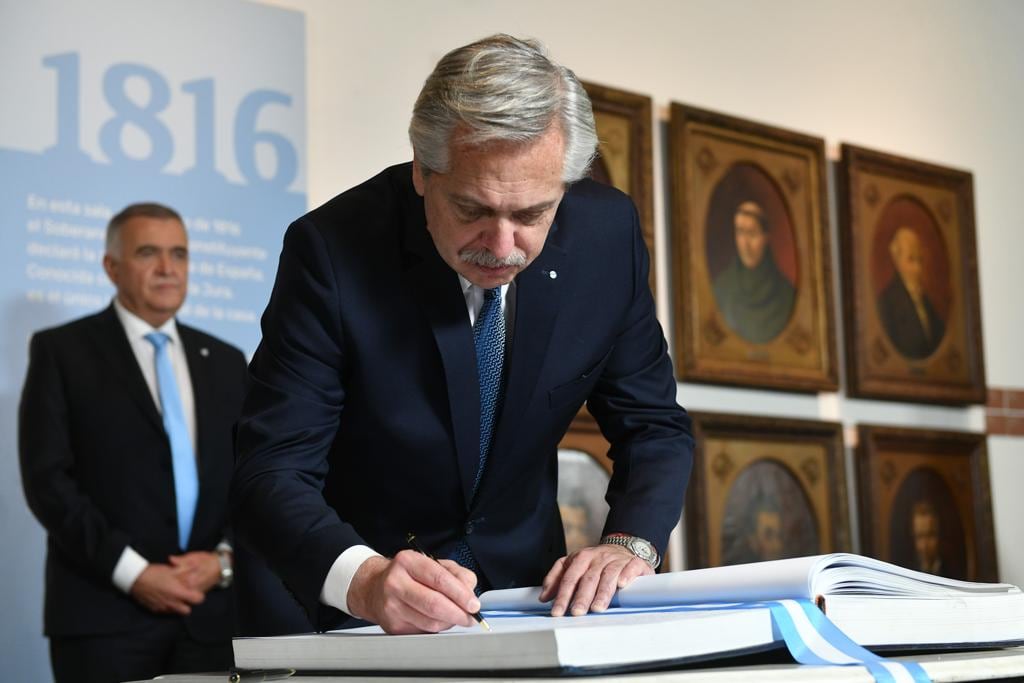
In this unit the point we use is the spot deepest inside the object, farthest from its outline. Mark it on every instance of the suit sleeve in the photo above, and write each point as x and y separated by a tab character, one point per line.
289	421
634	403
237	371
47	457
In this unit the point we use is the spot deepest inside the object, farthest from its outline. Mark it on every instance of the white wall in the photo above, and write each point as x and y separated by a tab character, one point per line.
937	80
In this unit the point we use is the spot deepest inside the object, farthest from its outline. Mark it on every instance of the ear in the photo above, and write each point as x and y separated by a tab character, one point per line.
417	176
110	265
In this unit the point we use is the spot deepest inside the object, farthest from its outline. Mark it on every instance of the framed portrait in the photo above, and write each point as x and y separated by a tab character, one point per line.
910	280
624	125
765	489
925	501
583	474
752	281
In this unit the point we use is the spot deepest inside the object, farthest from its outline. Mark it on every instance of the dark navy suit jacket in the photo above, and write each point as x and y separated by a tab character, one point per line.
96	468
901	323
361	421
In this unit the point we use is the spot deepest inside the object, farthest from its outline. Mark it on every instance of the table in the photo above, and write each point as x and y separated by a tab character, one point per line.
981	665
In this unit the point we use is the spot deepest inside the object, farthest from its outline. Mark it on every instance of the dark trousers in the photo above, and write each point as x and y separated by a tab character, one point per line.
163	647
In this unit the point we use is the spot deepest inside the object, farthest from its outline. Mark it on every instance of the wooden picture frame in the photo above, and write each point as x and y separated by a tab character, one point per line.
752	293
765	488
926	502
624	130
583	482
899	345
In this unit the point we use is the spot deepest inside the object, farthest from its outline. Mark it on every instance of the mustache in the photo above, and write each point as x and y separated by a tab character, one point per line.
483	257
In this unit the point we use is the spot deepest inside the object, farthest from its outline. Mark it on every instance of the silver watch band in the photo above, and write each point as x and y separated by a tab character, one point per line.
227	570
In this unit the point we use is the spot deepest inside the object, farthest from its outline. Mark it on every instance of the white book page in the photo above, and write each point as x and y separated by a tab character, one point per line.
774	580
794	578
845	573
978	618
515	622
614	638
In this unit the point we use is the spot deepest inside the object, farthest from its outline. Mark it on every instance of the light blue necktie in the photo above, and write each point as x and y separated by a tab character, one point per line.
489	340
186	477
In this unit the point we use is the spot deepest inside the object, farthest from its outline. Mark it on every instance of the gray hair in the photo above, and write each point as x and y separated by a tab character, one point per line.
502	89
143	209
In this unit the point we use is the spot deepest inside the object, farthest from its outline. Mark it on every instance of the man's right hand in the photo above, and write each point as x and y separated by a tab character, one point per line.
164	589
412	593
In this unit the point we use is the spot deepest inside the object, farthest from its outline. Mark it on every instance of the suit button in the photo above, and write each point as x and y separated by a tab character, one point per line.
468	529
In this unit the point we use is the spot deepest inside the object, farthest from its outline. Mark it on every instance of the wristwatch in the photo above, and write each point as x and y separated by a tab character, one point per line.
638	546
227	571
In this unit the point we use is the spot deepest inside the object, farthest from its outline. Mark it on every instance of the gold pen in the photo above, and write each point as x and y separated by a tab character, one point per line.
411	538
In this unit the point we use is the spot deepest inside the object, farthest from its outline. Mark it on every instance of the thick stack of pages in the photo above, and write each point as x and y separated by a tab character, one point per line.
663	620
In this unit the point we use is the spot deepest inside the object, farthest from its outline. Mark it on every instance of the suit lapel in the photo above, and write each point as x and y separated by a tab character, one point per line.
438	293
116	352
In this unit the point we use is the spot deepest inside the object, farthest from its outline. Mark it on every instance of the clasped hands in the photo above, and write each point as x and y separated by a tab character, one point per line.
173	588
412	593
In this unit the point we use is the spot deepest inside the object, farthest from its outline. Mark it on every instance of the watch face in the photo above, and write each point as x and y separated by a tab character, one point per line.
642	549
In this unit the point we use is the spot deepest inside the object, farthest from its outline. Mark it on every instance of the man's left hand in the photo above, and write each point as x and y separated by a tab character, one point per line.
201	568
586	580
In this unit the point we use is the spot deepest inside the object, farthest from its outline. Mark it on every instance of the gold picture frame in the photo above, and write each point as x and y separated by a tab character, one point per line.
752	281
910	280
926	502
764	489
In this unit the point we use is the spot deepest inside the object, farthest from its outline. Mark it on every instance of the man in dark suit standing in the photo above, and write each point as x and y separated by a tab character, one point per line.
125	441
431	334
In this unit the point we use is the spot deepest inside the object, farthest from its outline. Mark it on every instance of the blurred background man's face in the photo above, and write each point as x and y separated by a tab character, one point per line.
908	259
751	239
767	538
925	527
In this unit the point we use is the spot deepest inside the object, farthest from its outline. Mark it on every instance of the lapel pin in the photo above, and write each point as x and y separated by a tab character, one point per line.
552	274
204	352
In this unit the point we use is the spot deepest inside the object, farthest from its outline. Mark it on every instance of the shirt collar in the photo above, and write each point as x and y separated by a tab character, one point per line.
137	328
466	285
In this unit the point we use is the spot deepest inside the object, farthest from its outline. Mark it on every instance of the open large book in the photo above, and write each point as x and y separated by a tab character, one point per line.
677	617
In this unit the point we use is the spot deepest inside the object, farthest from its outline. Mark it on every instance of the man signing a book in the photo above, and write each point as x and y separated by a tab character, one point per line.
431	334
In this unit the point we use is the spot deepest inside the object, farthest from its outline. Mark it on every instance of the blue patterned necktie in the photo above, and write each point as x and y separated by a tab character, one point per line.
489	340
186	477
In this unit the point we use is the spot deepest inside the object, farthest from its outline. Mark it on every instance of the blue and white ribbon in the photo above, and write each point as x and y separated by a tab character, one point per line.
812	639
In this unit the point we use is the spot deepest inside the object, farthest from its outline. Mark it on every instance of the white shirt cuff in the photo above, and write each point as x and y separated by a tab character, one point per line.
128	568
339	578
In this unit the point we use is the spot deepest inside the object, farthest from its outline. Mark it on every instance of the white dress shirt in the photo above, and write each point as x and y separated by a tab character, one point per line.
339	578
131	563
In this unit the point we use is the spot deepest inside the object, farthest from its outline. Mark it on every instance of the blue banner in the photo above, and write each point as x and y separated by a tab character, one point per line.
197	104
